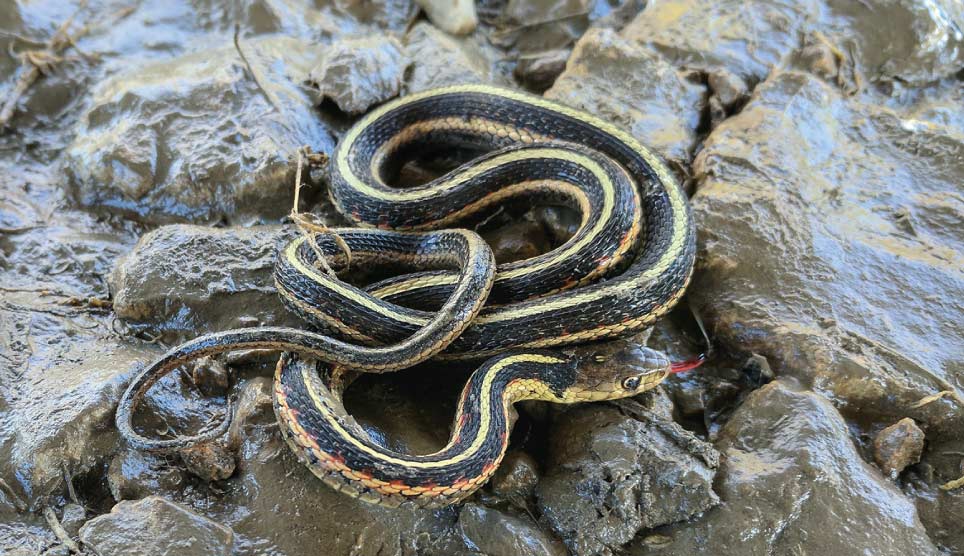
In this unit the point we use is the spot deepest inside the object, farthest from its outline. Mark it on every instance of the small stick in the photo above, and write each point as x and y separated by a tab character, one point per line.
39	60
59	531
254	75
70	485
294	206
951	485
932	398
307	226
17	502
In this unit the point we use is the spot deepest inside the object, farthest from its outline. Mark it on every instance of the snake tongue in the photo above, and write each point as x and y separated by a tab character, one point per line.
688	365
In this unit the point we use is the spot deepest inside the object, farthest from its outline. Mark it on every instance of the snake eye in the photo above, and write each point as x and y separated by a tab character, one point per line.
631	383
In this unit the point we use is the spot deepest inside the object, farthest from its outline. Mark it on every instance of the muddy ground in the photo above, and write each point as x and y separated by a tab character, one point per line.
146	166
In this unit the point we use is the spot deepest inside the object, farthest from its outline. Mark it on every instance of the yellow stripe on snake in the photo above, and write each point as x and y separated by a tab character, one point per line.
627	264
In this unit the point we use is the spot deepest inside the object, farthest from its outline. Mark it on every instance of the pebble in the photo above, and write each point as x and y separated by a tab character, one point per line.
359	73
210	461
516	478
898	446
497	533
155	526
452	16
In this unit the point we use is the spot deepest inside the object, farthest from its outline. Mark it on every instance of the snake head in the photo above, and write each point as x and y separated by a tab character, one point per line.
614	370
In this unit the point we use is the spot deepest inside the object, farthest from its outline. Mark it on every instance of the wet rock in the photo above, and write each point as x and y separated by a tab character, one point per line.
23	535
716	110
211	376
439	60
59	407
625	84
253	408
62	368
798	249
118	37
270	489
379	15
744	38
50	252
388	409
210	461
156	527
497	533
941	510
942	513
516	477
823	59
730	89
270	486
540	26
935	104
134	474
537	72
51	102
910	40
456	17
531	27
72	517
757	369
181	280
914	41
559	223
517	241
705	398
898	446
203	137
57	550
610	475
792	481
615	14
359	73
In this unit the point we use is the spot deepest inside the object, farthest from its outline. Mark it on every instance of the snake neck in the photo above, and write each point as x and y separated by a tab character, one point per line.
485	406
335	448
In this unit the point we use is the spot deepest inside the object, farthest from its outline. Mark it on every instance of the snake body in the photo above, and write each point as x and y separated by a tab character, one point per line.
486	118
340	453
628	263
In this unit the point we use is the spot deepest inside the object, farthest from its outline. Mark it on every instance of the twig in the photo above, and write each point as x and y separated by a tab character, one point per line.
294	206
89	302
40	62
18	230
59	531
932	398
21	38
69	479
951	485
17	502
306	223
254	75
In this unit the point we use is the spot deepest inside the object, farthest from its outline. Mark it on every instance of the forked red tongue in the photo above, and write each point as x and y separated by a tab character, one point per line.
688	365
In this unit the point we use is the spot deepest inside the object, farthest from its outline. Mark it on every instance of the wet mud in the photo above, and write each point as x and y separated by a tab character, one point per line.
147	155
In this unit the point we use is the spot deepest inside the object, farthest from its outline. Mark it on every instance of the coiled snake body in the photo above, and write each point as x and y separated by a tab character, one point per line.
628	263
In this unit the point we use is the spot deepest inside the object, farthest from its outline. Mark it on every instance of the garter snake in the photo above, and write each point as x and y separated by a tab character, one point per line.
628	264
